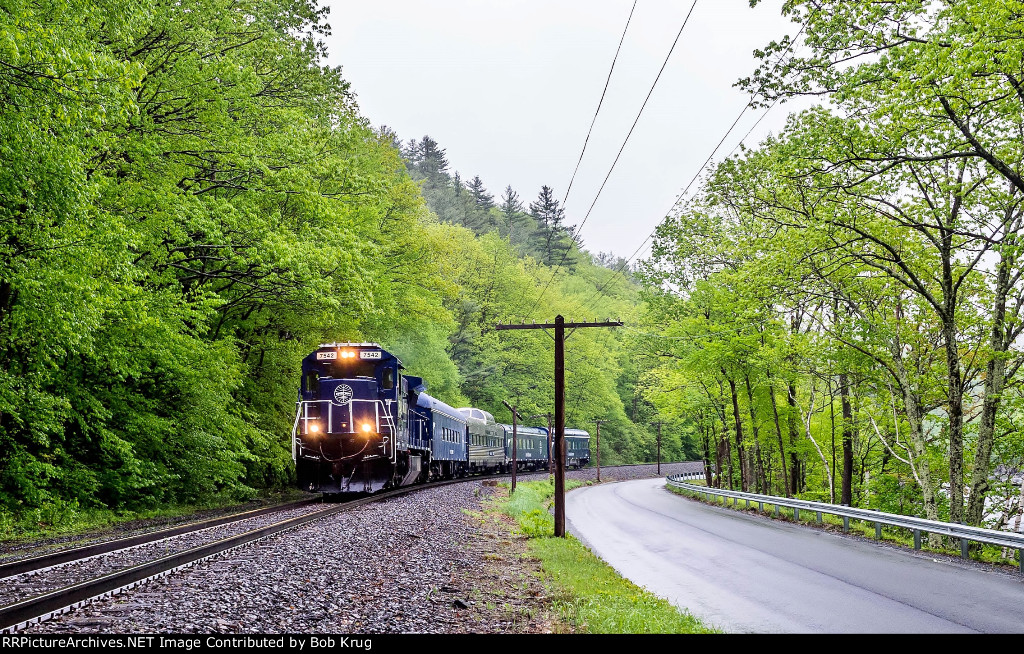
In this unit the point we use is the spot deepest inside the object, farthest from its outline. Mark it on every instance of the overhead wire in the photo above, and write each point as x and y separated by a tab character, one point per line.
617	156
599	103
601	289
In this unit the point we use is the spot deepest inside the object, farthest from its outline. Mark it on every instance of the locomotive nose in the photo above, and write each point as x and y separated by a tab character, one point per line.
353	405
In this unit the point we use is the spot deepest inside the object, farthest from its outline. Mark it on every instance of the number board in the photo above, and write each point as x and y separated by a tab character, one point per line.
326	355
370	355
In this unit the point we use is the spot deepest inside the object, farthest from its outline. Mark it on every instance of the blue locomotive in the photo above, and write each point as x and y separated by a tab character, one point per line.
362	425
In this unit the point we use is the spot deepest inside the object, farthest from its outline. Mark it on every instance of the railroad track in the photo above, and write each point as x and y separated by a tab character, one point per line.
31	564
21	613
102	581
20	608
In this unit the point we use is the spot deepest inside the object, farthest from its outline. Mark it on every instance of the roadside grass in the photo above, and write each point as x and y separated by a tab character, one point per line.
58	519
588	594
991	554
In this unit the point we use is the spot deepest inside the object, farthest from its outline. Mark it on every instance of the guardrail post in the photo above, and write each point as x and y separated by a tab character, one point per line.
817	515
917	539
776	510
965	548
735	501
878	530
1020	560
846	524
748	504
760	507
796	514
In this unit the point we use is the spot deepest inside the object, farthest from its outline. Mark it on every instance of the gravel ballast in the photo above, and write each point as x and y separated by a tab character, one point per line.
62	575
427	562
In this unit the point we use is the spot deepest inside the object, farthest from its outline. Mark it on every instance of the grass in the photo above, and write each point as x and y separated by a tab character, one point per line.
588	594
893	535
68	519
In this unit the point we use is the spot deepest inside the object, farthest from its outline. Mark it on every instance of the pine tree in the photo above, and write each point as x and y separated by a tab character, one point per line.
554	237
431	159
511	207
483	199
411	153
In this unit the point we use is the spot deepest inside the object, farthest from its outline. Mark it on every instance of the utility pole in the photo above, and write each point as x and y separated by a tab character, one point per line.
659	445
559	443
598	448
515	463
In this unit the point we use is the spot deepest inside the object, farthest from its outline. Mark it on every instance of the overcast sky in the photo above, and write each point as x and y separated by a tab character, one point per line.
509	87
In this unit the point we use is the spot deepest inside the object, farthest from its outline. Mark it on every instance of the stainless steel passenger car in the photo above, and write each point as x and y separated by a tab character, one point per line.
486	441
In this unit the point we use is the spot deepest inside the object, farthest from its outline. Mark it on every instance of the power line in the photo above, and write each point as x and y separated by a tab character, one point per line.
618	271
617	156
679	197
599	103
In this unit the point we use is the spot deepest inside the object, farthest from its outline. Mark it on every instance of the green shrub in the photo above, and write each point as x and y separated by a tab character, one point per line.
57	513
588	593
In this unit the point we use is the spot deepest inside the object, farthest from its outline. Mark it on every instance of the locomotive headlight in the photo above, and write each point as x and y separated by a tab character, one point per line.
367	427
314	428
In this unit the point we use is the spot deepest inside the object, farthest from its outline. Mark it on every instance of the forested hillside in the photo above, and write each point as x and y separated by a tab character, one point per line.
190	202
841	306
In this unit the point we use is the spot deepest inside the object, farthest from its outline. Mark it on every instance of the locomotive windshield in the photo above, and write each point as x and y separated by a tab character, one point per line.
347	368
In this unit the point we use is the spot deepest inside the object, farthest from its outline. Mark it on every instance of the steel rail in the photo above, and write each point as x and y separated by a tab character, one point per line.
21	566
965	533
30	564
16	616
652	463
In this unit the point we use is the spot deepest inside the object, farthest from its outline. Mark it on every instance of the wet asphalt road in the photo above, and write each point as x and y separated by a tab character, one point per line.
749	574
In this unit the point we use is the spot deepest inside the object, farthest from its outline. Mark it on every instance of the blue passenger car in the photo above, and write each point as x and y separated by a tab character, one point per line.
531	447
577	448
445	428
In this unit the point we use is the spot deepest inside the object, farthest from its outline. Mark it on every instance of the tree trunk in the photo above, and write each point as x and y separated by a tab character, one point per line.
744	476
778	432
1020	506
794	436
846	495
724	456
758	465
918	445
956	423
995	379
832	442
724	448
706	435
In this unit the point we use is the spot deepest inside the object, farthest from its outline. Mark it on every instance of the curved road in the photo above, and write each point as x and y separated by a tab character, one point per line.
750	574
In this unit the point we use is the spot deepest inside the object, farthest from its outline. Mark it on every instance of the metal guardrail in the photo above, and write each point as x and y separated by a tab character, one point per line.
965	533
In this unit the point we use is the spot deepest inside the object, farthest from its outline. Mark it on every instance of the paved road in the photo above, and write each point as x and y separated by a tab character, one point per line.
748	574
